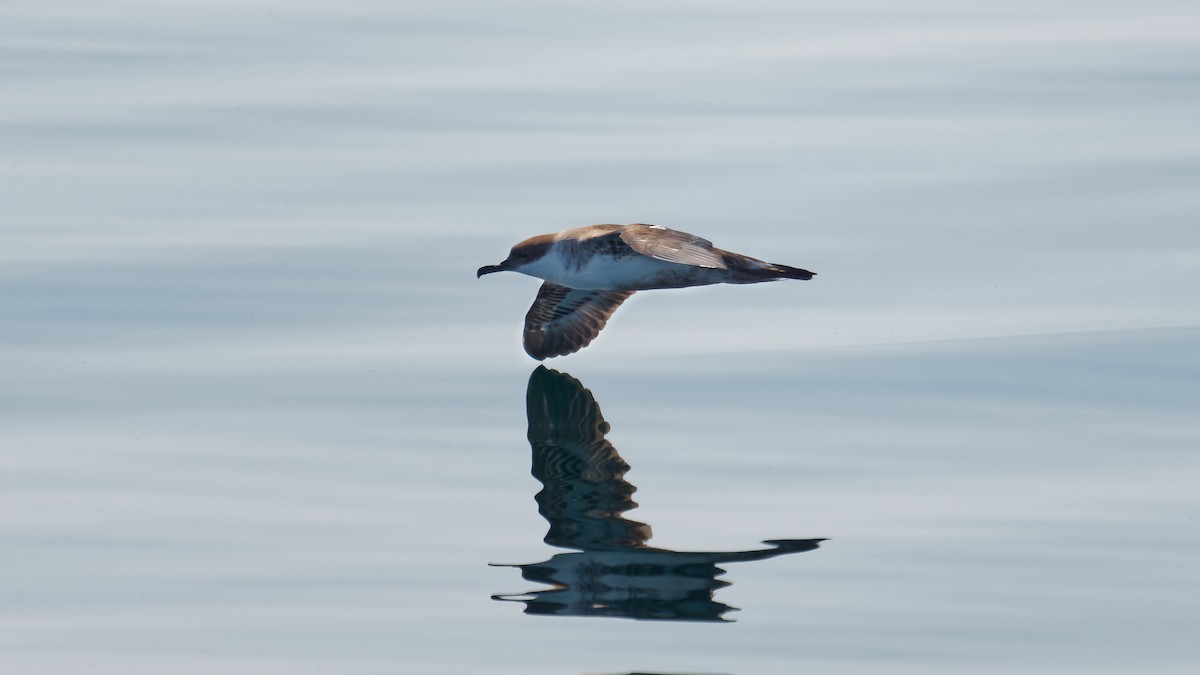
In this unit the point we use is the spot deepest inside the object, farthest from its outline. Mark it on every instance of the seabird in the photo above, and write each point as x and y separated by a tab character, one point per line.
589	271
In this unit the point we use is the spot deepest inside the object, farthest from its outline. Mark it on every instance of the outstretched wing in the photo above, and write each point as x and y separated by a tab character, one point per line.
564	320
672	245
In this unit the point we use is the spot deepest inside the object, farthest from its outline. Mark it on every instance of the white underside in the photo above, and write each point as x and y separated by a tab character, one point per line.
620	273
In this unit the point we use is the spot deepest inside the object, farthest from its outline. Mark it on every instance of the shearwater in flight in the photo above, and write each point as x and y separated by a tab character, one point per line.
589	271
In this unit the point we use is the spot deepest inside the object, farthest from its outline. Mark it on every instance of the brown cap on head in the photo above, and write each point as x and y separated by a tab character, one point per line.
522	254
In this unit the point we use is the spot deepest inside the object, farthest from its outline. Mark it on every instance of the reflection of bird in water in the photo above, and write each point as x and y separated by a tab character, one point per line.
584	494
589	271
584	489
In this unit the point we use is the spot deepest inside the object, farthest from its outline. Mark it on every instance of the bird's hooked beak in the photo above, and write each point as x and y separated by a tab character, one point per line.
488	269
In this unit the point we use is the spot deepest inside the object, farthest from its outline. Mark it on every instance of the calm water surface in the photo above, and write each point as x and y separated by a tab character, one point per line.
260	417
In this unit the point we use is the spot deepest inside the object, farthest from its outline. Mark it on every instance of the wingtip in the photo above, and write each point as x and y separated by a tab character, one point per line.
537	354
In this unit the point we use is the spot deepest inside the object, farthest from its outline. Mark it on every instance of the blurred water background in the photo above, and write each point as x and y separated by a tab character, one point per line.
260	417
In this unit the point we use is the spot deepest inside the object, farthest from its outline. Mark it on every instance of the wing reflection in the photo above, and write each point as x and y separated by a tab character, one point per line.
584	496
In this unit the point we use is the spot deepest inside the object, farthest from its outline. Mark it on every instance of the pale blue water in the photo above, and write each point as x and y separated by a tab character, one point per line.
260	417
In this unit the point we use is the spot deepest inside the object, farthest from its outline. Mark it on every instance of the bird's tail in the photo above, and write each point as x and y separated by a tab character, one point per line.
786	272
746	270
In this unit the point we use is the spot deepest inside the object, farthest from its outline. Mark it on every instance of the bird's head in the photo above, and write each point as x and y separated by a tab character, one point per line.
523	257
